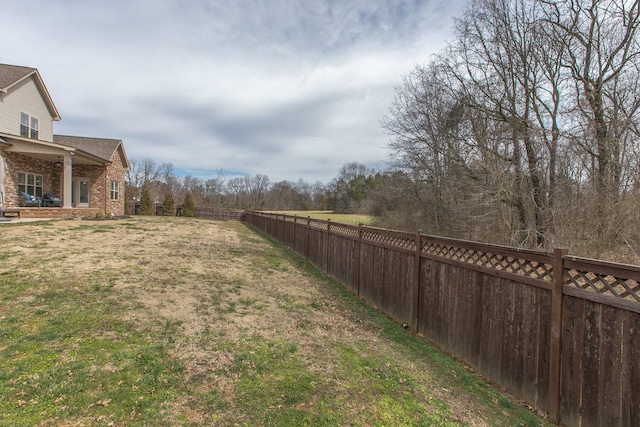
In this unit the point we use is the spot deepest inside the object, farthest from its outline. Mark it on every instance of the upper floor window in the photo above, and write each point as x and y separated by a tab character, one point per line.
115	190
30	183
28	126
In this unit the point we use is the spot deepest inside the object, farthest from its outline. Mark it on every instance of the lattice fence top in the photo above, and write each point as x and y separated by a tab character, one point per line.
508	263
344	230
604	284
394	240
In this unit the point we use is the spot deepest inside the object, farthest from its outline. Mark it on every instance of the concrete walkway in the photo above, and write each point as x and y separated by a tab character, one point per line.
13	220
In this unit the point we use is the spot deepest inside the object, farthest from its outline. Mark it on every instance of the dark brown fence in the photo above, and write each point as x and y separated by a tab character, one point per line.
557	331
218	214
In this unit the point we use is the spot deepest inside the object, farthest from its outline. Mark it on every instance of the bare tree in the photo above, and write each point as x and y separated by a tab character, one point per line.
150	170
167	175
134	175
237	190
534	101
498	46
214	189
256	187
601	52
282	196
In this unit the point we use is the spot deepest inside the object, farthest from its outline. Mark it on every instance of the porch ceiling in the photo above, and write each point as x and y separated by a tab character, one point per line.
49	152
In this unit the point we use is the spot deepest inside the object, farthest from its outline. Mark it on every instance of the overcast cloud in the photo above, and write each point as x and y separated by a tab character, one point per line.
288	89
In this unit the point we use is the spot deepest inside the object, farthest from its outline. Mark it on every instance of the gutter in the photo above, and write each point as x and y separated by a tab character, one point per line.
107	191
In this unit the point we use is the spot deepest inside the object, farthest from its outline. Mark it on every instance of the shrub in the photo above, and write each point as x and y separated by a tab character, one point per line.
168	205
188	208
146	207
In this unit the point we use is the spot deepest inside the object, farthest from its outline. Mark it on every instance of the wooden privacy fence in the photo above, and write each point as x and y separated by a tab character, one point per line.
217	214
554	330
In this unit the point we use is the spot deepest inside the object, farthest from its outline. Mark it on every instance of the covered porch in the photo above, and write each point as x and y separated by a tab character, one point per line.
41	168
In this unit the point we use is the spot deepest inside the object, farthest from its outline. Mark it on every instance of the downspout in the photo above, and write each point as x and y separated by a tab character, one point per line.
1	181
107	190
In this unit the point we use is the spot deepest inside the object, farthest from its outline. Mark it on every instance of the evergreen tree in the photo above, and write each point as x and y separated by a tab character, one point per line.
146	207
168	205
188	208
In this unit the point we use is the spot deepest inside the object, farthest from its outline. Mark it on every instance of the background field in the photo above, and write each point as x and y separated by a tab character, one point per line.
342	218
178	321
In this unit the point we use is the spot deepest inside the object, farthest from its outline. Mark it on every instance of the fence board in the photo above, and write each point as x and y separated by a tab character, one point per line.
543	349
508	338
435	302
609	398
289	234
372	274
630	368
398	289
591	363
342	261
456	331
473	319
492	330
530	350
571	390
316	245
520	318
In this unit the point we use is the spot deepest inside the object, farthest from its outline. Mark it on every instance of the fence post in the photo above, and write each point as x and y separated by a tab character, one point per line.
555	345
306	245
326	247
295	225
358	260
416	283
284	228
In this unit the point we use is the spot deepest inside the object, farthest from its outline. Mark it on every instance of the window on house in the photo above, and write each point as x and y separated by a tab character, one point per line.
28	126
30	183
115	190
34	128
24	124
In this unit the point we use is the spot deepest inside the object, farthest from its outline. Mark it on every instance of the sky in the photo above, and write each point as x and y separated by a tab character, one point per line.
283	88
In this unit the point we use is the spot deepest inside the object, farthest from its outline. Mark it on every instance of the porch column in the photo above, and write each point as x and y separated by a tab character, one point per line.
66	190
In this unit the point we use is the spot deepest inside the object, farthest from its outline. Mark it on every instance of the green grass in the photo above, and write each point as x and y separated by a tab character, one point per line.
68	354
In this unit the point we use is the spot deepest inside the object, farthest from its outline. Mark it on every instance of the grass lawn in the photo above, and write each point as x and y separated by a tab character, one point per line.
155	321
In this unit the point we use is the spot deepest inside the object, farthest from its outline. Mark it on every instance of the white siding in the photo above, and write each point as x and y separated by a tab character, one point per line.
25	98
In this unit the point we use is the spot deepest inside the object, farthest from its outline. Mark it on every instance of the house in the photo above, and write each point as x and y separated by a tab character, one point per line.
86	173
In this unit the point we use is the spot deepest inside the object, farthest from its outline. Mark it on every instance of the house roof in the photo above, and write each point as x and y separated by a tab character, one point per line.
11	75
102	148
